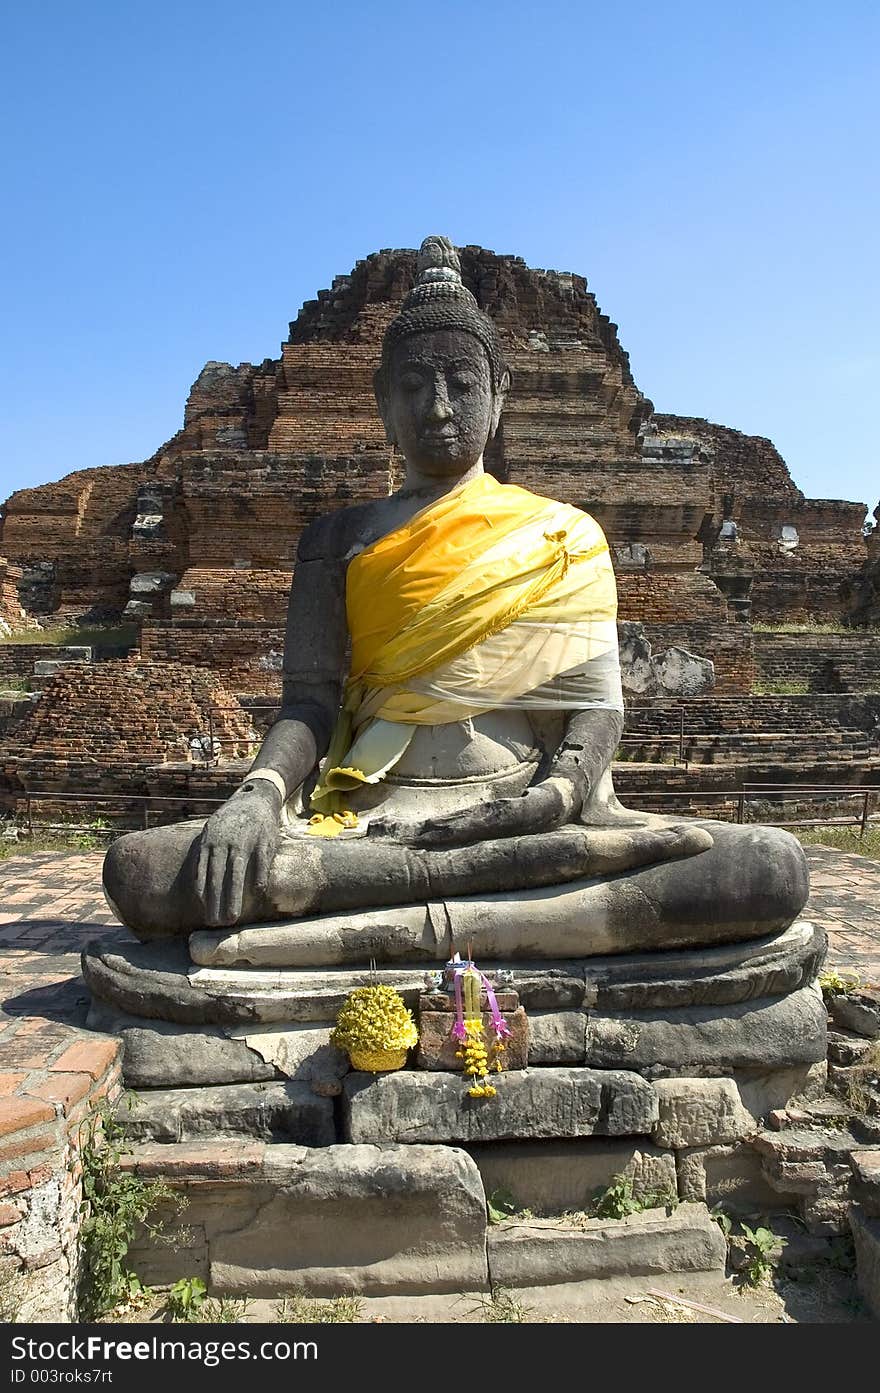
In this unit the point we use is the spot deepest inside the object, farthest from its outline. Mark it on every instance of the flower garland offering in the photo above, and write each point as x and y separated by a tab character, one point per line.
469	984
375	1028
331	824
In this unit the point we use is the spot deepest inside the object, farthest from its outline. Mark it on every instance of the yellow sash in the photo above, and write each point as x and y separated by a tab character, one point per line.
488	570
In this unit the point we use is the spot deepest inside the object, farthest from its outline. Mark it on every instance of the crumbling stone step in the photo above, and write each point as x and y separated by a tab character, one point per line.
544	1251
866	1235
866	1180
277	1111
265	1220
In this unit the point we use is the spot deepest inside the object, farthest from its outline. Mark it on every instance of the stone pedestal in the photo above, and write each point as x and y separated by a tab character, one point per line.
658	1067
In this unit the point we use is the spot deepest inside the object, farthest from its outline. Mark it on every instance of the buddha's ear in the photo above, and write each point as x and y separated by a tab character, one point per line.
380	387
499	397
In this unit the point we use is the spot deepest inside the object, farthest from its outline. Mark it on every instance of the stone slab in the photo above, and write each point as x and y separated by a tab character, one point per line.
541	1252
866	1236
159	980
161	1054
359	1219
415	1106
332	1221
550	1177
858	1012
768	1033
771	966
558	1037
700	1112
282	1111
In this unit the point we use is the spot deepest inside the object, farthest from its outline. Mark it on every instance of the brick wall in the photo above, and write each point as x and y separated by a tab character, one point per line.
662	597
826	662
53	1080
246	656
100	729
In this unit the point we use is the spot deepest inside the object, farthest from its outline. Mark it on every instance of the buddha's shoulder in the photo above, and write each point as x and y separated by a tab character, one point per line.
339	535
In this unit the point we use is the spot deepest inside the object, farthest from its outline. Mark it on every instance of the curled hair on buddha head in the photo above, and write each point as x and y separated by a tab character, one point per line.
439	300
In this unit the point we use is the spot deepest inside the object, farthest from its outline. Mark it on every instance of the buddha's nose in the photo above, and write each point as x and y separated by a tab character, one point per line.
440	409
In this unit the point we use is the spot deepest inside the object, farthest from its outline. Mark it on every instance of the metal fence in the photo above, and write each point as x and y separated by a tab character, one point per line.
143	810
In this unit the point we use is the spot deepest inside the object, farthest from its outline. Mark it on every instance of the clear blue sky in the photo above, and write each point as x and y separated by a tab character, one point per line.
179	177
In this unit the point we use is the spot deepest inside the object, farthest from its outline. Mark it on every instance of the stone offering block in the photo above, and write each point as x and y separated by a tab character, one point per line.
438	1049
415	1106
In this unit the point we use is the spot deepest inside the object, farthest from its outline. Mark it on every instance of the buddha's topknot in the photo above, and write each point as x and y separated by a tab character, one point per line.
439	300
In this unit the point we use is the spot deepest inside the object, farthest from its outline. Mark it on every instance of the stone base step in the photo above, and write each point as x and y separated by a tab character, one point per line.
744	1006
270	1112
262	1221
538	1252
332	1221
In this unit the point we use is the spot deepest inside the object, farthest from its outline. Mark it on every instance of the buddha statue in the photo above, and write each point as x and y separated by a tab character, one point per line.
448	785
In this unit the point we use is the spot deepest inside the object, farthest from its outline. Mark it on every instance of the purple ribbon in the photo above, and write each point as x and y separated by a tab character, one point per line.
458	969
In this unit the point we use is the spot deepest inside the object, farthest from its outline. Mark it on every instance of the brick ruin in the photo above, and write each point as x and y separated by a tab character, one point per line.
98	731
195	546
13	616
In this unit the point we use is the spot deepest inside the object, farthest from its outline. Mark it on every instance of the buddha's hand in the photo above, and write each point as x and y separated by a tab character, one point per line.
237	843
543	807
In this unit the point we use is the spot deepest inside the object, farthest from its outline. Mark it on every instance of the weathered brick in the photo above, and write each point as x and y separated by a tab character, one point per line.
93	1057
65	1089
17	1113
35	1145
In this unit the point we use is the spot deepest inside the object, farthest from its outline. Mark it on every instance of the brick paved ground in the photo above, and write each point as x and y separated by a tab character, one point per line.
51	904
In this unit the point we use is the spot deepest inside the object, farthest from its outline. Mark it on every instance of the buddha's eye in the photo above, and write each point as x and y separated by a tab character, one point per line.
411	381
463	381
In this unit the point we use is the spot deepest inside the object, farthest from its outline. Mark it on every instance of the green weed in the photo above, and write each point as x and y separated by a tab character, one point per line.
501	1308
301	1310
114	1203
186	1299
760	1243
617	1201
501	1205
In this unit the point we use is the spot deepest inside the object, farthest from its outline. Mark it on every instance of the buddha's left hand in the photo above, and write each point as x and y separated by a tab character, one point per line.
543	807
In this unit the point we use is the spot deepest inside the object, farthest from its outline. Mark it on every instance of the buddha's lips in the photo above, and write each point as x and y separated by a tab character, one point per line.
439	437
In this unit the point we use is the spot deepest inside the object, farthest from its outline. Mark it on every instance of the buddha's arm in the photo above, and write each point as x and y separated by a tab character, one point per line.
238	842
314	655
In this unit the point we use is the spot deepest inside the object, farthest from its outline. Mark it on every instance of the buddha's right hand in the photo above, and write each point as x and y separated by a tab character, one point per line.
237	843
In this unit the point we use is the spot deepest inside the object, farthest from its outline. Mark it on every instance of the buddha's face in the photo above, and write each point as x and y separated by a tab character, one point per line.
441	406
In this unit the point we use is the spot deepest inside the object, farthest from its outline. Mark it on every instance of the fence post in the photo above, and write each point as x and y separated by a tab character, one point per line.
864	827
740	806
681	736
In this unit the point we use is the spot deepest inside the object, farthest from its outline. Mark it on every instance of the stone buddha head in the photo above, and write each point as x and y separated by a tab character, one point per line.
442	382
